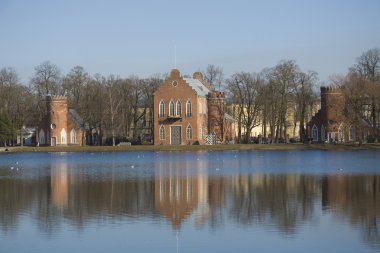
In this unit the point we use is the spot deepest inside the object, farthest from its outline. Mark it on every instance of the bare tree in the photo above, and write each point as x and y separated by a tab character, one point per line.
113	104
357	100
282	80
214	75
47	79
8	82
139	105
74	84
304	96
152	84
16	99
368	67
93	104
246	89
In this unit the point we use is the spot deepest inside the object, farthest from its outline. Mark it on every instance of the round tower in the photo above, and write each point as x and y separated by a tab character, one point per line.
57	111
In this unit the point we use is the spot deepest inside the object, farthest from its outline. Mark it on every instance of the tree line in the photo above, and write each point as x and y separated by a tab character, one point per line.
116	108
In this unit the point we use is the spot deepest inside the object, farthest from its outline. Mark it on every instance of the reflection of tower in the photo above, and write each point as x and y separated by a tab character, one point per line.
57	110
175	197
203	208
60	184
180	188
334	191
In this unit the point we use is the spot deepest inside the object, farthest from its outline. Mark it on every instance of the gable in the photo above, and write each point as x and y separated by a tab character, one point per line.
176	85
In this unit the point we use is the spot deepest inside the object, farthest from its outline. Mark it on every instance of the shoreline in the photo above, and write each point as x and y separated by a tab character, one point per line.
184	148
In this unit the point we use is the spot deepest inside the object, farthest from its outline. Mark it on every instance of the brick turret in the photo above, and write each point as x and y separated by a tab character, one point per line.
57	111
216	111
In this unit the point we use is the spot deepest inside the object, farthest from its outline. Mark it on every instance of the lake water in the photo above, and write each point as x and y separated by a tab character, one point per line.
256	201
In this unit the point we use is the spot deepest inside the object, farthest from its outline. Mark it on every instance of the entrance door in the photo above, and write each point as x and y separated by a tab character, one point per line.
175	135
53	141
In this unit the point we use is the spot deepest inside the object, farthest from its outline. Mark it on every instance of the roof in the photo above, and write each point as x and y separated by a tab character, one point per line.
76	118
228	117
199	87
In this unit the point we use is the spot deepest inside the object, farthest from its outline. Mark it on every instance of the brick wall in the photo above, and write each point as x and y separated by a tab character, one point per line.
176	89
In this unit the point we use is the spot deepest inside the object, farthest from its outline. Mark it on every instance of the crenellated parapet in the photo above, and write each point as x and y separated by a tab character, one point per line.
331	89
56	98
215	95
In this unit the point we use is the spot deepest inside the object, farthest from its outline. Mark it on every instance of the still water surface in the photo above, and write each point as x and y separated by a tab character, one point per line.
256	201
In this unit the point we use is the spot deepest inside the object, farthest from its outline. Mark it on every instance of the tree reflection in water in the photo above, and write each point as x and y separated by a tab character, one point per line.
183	189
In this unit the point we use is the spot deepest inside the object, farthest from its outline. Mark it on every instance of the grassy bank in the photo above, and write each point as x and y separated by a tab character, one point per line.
194	148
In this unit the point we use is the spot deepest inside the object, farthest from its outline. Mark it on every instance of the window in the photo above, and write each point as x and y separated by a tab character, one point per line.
42	136
314	133
161	112
323	133
63	136
179	108
73	136
352	134
188	108
171	108
162	133
340	134
200	108
189	132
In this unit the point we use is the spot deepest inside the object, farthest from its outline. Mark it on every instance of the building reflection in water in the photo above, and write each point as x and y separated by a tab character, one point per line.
357	199
59	183
182	188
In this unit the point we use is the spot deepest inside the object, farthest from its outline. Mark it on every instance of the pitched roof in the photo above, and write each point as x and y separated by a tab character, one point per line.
229	117
199	87
76	118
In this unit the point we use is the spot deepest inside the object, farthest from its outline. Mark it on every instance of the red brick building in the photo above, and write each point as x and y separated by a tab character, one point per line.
330	124
186	110
61	125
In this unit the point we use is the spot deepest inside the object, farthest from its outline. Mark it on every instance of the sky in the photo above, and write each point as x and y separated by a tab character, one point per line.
145	37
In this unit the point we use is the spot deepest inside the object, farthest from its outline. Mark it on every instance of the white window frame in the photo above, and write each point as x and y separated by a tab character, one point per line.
314	133
63	136
73	136
188	108
189	132
323	134
161	109
171	108
341	133
352	133
162	132
42	136
178	108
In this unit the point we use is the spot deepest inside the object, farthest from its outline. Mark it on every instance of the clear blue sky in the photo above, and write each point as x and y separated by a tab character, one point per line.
139	37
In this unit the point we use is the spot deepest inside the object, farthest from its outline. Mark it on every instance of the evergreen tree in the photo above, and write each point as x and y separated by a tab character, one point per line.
7	131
